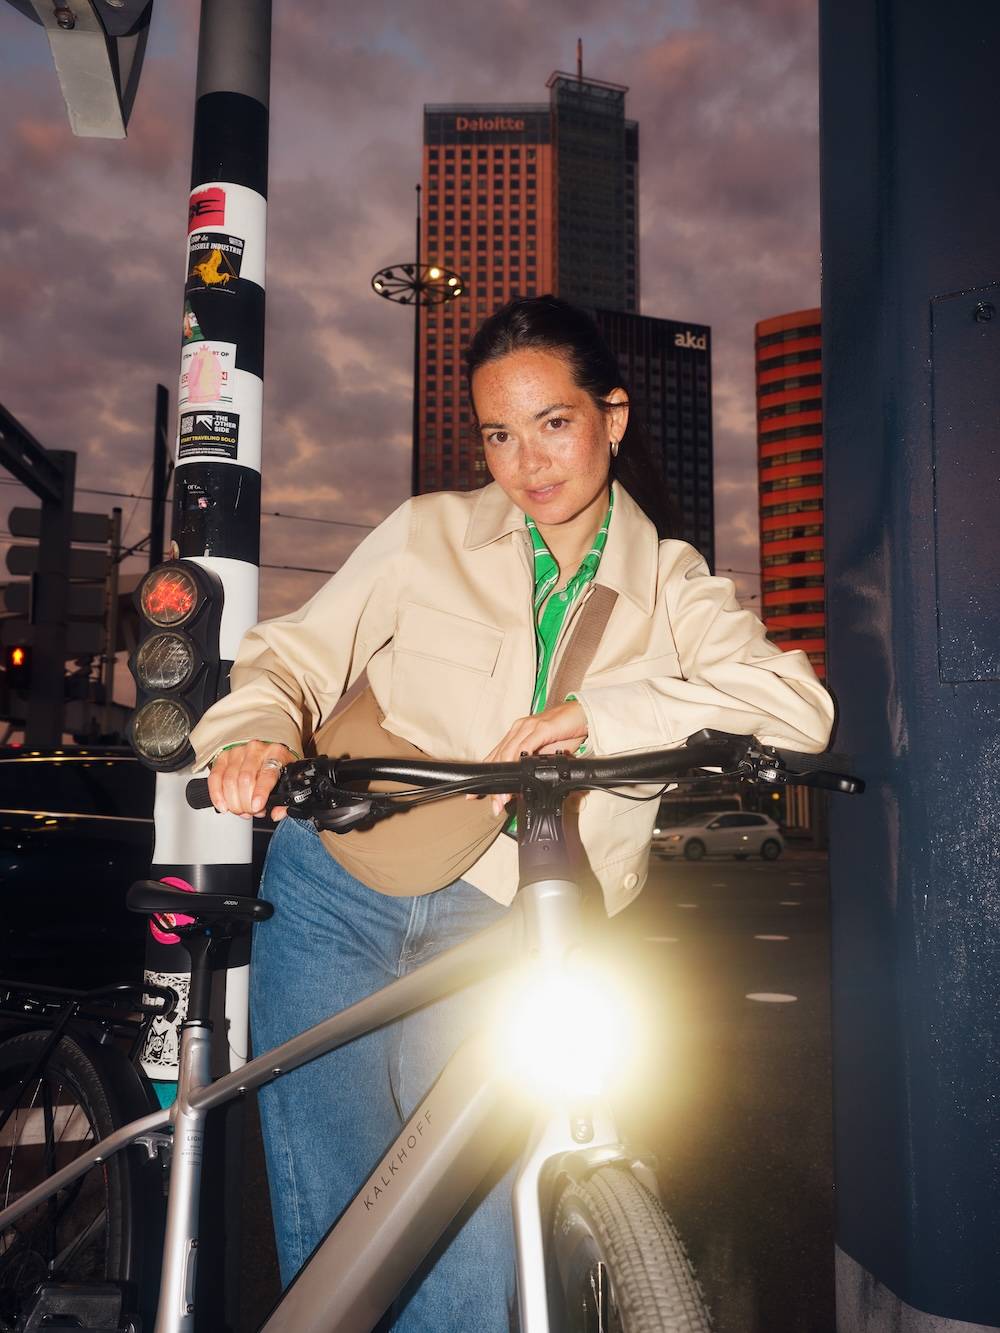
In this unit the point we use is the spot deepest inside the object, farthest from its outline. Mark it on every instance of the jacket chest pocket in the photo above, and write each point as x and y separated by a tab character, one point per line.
441	664
423	631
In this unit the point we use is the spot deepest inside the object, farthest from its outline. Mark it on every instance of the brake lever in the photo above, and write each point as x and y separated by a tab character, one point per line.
766	765
310	792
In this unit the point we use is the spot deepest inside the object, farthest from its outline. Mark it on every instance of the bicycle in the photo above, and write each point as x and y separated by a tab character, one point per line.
595	1250
66	1081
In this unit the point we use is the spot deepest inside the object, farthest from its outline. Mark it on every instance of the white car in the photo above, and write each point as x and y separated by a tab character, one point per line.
729	833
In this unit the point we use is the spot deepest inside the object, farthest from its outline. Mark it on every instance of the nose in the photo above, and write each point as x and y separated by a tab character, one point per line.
535	457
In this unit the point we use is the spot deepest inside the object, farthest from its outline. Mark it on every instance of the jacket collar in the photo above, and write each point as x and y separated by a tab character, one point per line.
630	560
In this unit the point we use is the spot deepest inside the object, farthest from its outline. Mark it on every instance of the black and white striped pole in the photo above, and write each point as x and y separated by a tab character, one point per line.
195	609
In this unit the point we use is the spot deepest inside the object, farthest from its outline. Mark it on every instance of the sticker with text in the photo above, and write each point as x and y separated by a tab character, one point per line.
214	262
207	208
209	435
207	373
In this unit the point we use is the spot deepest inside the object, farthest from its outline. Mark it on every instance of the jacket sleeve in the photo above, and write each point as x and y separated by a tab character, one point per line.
290	672
732	678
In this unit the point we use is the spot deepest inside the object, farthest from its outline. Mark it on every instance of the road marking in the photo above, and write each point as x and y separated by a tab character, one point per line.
796	883
661	939
689	905
771	937
789	902
771	997
720	884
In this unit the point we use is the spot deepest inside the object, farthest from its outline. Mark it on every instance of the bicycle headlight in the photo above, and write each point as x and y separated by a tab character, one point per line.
567	1031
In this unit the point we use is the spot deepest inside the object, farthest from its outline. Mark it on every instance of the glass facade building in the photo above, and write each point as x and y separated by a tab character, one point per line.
668	369
788	353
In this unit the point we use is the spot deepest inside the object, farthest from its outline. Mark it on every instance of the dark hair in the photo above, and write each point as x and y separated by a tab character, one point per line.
552	325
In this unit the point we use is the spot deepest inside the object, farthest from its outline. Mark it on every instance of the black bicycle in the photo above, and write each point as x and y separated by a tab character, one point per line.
69	1076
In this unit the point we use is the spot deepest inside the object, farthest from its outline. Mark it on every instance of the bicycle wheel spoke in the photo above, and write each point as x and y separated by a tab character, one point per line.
65	1256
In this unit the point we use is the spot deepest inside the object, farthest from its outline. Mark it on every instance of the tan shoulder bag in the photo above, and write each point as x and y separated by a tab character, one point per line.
423	849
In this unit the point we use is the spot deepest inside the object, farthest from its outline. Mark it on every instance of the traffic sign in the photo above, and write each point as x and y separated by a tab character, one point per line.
85	601
83	564
83	637
94	528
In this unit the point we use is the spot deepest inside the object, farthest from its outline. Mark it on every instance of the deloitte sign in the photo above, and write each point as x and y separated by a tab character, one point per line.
488	124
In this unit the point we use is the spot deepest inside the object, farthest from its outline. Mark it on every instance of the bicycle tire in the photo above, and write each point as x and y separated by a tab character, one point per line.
93	1230
617	1261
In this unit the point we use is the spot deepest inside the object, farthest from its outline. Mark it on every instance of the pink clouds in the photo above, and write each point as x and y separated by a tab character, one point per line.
91	233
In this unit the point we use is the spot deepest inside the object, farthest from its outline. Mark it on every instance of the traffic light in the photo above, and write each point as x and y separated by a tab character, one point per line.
176	662
17	664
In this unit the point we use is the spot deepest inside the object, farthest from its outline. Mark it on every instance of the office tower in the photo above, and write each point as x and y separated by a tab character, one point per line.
668	368
790	470
596	211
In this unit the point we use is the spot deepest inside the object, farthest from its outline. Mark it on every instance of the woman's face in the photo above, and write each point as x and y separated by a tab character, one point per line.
545	439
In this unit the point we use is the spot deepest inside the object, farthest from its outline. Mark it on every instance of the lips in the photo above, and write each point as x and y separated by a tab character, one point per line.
545	492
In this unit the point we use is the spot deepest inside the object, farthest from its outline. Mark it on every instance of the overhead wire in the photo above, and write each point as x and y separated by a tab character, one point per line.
265	513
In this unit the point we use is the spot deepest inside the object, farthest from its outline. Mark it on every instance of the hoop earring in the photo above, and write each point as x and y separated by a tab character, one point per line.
614	448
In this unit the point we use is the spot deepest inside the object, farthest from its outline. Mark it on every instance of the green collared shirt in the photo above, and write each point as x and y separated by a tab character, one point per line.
551	607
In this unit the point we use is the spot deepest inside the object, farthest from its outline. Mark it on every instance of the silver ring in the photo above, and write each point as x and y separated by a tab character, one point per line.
273	763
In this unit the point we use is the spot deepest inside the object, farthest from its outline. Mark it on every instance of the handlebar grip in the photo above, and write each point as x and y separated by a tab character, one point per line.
197	794
797	761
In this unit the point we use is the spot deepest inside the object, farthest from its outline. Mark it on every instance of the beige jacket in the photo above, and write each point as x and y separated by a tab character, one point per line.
436	603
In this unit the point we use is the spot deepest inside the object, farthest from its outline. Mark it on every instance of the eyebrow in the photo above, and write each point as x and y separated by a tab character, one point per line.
553	407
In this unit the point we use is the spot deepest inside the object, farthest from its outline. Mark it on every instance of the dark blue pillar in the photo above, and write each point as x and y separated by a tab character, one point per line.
911	355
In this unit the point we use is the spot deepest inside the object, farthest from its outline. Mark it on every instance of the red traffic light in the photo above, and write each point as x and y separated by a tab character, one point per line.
168	595
17	664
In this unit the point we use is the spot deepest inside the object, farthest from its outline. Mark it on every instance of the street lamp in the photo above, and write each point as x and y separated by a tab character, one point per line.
418	285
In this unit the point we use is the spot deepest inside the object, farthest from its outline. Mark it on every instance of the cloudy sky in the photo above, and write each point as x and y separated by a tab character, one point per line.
92	232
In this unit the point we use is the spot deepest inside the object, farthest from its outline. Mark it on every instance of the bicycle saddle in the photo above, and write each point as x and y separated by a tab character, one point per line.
150	896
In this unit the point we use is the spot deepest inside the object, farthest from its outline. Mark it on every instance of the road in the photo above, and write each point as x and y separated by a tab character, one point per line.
736	1097
736	1104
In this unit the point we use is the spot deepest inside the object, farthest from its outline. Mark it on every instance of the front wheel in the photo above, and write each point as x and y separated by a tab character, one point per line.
618	1264
771	850
694	850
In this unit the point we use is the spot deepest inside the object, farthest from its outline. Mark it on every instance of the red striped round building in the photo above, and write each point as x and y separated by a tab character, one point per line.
788	359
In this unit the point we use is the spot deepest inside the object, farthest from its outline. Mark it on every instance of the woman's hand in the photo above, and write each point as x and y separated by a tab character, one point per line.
561	727
241	779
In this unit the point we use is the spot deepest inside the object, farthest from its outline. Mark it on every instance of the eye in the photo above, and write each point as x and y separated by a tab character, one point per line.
498	437
556	423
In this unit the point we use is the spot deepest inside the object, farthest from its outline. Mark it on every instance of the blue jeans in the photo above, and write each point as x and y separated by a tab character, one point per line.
332	941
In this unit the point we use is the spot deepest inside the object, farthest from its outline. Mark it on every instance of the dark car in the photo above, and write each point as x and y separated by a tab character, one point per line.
76	828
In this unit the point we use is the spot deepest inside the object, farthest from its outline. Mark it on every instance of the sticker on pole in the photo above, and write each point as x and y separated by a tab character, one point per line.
207	208
161	1051
206	373
208	435
214	262
191	329
228	225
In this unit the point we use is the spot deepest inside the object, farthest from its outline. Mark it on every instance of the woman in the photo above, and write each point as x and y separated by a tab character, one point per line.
455	606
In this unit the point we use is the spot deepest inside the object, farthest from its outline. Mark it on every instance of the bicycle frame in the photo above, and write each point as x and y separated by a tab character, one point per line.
436	1162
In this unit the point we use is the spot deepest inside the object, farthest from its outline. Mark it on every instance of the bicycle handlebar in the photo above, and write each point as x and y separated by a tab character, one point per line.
326	780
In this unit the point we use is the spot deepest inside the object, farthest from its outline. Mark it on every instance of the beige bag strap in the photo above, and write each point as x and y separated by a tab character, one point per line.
581	646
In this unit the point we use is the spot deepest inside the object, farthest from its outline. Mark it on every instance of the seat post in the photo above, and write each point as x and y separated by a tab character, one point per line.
200	946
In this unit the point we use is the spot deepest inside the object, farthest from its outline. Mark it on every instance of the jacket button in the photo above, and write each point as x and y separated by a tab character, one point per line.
630	880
